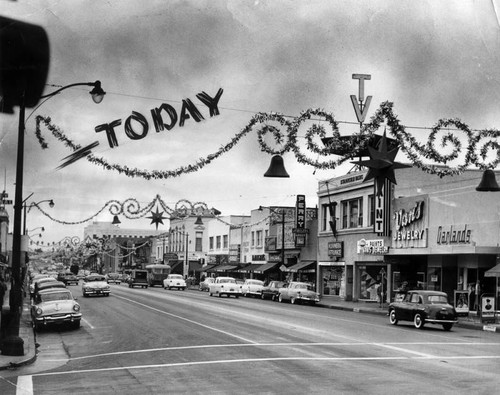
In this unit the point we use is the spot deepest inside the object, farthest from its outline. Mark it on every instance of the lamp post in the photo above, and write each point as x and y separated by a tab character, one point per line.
13	344
25	206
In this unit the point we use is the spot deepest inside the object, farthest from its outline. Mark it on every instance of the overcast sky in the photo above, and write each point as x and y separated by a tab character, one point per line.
432	59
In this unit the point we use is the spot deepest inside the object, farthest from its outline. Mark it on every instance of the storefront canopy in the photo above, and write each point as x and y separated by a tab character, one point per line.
304	267
206	268
252	268
493	272
194	266
226	268
266	266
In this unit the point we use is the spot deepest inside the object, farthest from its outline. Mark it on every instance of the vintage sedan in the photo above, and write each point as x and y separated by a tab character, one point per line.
68	278
114	278
224	286
271	290
252	287
95	284
297	292
204	285
174	281
55	306
422	307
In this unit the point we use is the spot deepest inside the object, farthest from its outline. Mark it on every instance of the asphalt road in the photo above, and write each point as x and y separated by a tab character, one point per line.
153	341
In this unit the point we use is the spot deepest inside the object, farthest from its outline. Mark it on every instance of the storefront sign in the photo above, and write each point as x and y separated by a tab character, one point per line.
300	218
351	179
488	308
462	302
234	253
454	235
410	223
372	247
336	249
258	258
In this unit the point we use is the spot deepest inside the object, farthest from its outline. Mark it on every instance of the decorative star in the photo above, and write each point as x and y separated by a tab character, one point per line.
381	164
157	218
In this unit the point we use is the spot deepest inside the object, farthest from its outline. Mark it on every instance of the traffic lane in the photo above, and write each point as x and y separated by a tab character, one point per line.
224	322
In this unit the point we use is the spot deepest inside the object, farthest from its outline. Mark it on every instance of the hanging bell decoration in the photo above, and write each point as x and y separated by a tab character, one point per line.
199	221
276	168
488	182
116	220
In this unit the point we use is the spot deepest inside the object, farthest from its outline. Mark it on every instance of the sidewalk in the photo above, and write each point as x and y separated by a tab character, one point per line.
26	333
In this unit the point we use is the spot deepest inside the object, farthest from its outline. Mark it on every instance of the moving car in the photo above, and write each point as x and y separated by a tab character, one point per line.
174	281
138	278
204	285
423	307
297	292
114	278
224	286
252	287
95	284
55	306
67	278
271	290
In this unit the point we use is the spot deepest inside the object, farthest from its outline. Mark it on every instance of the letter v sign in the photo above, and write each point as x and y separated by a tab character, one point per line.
360	109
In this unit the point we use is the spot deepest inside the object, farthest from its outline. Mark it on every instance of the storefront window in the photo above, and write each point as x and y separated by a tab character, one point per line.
332	280
371	282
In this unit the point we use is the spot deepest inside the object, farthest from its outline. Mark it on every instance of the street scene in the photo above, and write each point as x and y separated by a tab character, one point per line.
255	197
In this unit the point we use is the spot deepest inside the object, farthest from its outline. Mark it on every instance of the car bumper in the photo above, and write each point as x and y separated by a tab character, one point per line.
440	321
58	319
308	298
96	292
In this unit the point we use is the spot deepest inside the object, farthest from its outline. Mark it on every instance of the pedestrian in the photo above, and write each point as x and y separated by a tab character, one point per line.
3	290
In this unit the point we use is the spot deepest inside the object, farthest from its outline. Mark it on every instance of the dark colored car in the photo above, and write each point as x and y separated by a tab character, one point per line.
67	278
424	307
138	278
270	291
41	286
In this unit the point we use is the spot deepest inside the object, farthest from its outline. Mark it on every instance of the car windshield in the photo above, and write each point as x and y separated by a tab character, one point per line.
304	286
176	277
437	299
227	280
96	278
55	296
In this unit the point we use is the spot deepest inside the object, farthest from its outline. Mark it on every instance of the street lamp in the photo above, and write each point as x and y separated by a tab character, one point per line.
261	208
13	344
25	206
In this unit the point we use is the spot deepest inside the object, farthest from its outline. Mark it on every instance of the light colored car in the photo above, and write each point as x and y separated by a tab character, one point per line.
252	288
204	285
55	306
113	278
174	281
36	283
224	286
297	292
95	284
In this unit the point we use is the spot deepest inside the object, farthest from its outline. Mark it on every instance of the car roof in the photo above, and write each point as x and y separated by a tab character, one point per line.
427	292
54	290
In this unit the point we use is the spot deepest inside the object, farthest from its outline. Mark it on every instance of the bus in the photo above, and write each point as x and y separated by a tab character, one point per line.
157	273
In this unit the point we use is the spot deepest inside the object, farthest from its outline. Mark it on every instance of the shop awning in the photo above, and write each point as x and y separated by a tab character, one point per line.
174	265
252	268
225	268
493	272
304	267
206	268
194	266
266	266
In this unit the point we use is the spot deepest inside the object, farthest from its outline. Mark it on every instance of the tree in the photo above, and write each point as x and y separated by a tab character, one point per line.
74	269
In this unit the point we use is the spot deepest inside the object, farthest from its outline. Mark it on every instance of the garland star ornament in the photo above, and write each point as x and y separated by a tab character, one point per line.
381	164
157	218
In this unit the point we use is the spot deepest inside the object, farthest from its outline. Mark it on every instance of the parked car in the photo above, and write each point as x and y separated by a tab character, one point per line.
67	278
252	287
224	286
204	285
48	285
95	284
271	290
138	278
114	278
36	285
297	292
36	279
424	307
174	281
55	306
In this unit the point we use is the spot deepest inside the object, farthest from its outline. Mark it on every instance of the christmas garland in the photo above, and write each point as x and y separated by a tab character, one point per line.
348	147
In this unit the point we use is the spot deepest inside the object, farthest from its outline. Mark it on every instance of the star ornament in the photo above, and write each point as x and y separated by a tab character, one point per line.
157	218
381	164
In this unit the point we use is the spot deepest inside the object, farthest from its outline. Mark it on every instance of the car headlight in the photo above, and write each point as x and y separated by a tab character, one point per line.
38	311
76	307
106	288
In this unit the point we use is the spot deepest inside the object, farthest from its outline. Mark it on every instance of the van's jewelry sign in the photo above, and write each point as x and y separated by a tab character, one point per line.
409	226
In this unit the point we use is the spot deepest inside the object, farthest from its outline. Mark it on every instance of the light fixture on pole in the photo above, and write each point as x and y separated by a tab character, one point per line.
13	344
28	208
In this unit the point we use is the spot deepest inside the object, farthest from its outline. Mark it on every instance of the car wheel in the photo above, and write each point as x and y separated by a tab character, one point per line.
209	293
447	327
293	300
75	325
418	321
280	298
262	296
236	296
37	327
220	295
392	317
